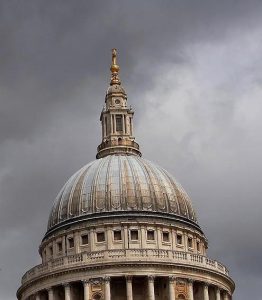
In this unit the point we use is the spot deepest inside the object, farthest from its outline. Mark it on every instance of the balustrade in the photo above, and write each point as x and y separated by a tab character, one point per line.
84	258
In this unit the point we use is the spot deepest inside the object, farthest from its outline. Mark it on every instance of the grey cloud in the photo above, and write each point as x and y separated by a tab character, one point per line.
54	59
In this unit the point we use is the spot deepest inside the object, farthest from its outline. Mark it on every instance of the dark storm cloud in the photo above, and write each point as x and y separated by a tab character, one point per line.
193	63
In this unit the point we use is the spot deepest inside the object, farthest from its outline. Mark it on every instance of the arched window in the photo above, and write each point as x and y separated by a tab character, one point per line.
181	297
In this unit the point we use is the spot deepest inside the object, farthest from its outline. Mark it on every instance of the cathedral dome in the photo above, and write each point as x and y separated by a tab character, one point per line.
123	228
116	184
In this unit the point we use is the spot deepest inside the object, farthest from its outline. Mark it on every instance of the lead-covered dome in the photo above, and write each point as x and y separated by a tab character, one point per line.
120	183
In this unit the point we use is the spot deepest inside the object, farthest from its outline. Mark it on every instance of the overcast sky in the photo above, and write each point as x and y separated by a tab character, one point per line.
193	74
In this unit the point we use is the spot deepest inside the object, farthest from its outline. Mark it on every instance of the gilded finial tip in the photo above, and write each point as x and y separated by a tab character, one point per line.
114	68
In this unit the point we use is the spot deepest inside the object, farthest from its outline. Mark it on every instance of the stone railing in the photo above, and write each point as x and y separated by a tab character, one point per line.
123	255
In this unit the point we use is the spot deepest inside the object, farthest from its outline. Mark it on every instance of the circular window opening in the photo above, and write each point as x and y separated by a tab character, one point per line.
117	101
97	297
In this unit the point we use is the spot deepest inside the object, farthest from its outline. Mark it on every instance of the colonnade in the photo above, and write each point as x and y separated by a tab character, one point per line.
172	281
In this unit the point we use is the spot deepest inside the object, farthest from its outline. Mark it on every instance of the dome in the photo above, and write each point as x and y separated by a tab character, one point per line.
120	183
122	227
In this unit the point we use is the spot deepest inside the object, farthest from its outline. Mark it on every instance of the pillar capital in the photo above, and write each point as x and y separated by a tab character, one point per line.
151	291
50	292
218	295
151	278
37	295
67	290
206	294
225	295
172	284
129	289
107	288
66	284
206	285
85	281
172	278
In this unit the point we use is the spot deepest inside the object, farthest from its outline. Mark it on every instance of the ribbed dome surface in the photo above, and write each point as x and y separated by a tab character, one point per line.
120	183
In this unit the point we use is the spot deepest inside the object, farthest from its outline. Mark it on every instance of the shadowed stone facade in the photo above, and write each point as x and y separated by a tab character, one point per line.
122	228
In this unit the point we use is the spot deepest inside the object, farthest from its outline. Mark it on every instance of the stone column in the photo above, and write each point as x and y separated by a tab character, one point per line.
107	289
172	295
86	289
129	288
190	290
50	294
218	293
67	291
206	295
37	296
151	288
226	296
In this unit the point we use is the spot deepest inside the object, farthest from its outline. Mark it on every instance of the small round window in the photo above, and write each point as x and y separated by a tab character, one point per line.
117	101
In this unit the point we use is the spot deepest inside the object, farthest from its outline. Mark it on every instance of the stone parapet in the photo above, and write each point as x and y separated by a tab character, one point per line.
149	256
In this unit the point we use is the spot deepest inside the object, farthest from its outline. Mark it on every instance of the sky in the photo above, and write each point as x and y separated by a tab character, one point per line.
193	74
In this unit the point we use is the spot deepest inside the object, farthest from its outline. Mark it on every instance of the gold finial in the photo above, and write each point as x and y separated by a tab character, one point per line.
114	69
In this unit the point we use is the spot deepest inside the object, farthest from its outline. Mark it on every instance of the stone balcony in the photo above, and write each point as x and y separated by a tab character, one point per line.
123	256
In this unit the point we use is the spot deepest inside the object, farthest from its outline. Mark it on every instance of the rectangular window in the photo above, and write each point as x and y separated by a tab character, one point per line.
51	250
190	242
100	237
150	235
71	242
119	123
165	236
84	239
59	246
117	235
134	235
198	246
179	239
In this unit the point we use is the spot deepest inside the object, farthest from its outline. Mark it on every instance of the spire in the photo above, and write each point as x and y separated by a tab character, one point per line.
114	69
117	119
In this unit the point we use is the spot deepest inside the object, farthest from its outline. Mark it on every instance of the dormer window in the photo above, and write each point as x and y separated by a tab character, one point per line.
119	123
